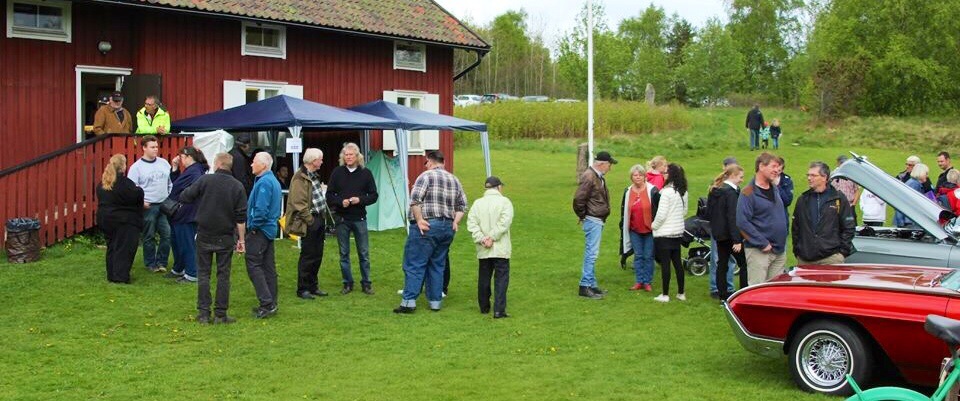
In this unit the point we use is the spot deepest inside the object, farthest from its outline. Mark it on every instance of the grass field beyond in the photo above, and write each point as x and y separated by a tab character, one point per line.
69	335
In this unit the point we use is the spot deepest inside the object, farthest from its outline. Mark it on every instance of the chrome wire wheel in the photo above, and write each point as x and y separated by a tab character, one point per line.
825	359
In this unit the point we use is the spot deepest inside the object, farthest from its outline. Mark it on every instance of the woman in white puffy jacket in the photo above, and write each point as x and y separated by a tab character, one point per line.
668	229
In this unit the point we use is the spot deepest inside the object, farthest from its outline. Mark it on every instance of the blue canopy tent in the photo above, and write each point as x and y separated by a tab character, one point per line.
284	112
412	119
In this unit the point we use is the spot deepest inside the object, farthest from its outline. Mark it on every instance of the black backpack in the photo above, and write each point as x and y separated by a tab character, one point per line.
702	211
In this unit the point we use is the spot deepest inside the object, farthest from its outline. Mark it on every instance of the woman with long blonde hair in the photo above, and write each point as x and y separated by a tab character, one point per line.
722	210
120	217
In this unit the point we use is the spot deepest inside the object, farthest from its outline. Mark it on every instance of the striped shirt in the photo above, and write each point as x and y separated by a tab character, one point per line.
439	195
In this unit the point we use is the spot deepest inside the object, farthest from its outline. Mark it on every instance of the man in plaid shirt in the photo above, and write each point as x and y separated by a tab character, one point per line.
437	203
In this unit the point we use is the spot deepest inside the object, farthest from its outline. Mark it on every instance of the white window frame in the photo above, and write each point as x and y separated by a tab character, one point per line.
263	51
402	65
93	69
64	35
426	139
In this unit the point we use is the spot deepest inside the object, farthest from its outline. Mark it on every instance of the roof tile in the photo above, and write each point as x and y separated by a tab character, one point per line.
414	19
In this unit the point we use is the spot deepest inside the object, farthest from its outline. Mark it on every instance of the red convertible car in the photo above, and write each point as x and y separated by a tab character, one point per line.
831	321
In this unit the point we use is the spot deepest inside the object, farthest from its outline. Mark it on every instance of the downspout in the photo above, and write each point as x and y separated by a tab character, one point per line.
469	68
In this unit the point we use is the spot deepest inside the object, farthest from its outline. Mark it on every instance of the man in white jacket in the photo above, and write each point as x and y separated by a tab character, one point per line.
489	224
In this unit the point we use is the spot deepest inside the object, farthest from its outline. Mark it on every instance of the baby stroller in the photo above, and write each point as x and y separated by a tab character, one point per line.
696	229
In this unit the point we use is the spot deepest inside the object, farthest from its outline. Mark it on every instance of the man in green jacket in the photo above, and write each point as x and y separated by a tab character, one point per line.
151	119
489	224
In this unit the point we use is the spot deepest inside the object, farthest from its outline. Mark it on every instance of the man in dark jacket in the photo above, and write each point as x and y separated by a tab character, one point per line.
754	124
591	203
351	190
221	217
242	158
823	222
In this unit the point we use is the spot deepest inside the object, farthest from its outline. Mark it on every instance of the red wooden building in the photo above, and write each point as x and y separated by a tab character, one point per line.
57	57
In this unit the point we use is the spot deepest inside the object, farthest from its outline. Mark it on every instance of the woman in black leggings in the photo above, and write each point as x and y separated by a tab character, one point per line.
722	205
668	229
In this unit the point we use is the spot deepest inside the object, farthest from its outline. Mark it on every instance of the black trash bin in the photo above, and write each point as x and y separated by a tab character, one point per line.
23	240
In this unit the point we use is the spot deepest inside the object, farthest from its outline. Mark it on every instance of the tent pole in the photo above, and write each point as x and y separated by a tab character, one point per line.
404	155
365	144
295	132
485	145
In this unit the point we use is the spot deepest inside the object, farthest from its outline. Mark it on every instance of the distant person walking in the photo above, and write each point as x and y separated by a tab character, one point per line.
263	213
668	230
489	223
152	173
221	228
823	223
754	124
775	133
591	204
120	217
636	235
762	222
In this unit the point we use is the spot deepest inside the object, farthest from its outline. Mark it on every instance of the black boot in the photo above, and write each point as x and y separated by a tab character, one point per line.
588	292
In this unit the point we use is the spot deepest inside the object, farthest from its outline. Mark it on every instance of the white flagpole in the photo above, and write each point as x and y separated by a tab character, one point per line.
590	81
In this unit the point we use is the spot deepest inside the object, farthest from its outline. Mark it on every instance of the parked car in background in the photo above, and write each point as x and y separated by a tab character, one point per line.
567	100
497	97
466	100
931	241
832	321
535	99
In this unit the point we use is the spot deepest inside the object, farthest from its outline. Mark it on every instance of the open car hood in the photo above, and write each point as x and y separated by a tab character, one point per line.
913	204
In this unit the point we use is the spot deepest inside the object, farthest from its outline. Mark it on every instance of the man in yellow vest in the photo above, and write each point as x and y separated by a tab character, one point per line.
151	119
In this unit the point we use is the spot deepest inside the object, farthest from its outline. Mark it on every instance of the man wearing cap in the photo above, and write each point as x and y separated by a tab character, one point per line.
591	203
489	225
113	119
242	158
437	203
152	119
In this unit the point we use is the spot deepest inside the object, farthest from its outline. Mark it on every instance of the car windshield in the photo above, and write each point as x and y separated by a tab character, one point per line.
951	281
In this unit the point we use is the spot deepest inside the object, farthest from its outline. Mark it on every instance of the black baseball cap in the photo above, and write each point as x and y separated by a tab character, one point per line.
492	182
116	97
604	156
243	137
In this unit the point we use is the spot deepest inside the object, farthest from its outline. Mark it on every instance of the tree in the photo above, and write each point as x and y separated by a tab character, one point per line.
758	27
645	38
680	35
713	67
610	57
908	51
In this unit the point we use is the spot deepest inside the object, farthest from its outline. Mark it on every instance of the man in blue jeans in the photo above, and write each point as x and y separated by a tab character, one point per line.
437	203
351	190
152	173
591	203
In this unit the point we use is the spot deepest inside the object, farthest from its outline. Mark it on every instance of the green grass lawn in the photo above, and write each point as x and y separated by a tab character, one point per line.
68	334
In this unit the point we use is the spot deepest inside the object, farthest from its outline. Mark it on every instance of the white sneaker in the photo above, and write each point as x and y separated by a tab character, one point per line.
399	292
682	297
662	298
